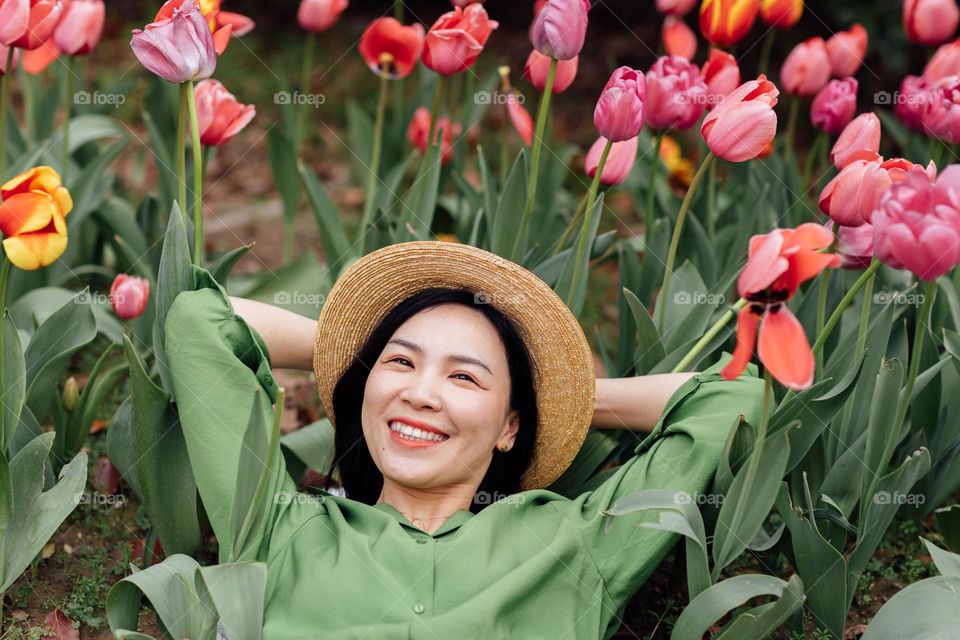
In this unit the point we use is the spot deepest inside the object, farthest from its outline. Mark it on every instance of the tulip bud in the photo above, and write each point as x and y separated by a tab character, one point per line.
219	115
455	40
619	162
618	115
846	50
677	8
678	39
538	67
833	108
726	22
721	74
806	69
559	29
863	133
781	14
930	21
79	30
319	15
743	126
70	393
129	296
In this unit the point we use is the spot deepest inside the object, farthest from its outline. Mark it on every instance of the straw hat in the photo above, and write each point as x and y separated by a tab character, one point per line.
562	362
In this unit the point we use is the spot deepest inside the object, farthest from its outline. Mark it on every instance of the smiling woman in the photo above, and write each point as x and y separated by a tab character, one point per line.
530	564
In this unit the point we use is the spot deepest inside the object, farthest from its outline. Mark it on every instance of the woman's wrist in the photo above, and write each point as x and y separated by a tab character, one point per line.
634	403
289	336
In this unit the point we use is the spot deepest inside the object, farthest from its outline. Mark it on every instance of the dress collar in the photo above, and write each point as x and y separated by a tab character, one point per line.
450	524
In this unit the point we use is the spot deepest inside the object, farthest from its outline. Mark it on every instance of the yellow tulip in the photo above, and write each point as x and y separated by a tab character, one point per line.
33	218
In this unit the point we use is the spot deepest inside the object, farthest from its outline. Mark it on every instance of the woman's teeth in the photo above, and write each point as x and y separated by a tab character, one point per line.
412	433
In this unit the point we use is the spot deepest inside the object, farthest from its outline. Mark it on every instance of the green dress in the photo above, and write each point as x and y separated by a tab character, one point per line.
535	565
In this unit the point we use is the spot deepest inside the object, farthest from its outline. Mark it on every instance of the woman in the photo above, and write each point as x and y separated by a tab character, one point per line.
453	377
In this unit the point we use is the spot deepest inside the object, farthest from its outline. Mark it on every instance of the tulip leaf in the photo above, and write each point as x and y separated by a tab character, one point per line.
948	524
283	164
882	433
926	609
418	210
119	219
649	349
221	269
504	221
688	308
596	452
164	160
655	246
736	449
551	269
336	245
87	128
572	285
91	186
14	382
120	445
173	276
312	444
237	590
948	564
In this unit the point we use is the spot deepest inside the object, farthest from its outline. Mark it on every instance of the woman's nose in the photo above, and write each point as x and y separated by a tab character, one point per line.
422	391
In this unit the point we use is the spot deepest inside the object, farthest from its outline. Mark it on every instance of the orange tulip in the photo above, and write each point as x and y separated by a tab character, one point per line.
678	38
725	22
680	168
33	218
781	14
778	263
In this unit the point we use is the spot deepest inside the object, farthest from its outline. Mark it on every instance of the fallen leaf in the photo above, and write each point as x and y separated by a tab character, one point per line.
61	627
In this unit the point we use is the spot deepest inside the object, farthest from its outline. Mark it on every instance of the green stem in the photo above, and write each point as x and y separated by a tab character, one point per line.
305	71
811	160
651	182
919	333
4	103
821	314
572	225
675	239
434	115
864	317
578	265
4	277
197	178
535	161
792	121
398	11
67	104
710	335
712	202
182	150
370	199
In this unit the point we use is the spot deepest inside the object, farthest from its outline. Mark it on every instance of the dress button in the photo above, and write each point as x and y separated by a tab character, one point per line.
418	608
421	541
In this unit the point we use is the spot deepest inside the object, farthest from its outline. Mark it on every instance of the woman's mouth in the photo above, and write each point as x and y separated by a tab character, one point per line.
413	437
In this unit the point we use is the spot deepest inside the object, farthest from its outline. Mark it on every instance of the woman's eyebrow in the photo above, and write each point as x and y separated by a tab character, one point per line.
453	357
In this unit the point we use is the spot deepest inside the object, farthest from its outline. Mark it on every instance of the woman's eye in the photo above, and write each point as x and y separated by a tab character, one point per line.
465	377
399	358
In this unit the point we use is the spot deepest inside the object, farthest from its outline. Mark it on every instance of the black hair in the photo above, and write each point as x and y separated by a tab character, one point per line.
359	475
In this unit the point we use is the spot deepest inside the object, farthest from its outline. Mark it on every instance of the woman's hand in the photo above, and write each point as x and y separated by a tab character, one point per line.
634	403
289	336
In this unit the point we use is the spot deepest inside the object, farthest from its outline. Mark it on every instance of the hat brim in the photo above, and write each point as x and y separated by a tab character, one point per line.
563	371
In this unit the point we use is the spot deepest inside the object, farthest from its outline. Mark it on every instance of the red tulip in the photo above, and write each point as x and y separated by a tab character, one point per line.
419	128
941	115
619	162
833	108
677	8
36	60
676	94
559	28
44	15
863	133
455	40
390	48
14	20
778	263
807	69
721	74
781	14
944	62
917	225
319	15
178	48
538	67
678	38
219	115
618	115
930	21
129	296
725	22
846	50
744	124
80	27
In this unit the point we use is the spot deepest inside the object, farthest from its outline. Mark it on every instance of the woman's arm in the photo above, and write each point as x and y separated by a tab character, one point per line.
634	403
289	336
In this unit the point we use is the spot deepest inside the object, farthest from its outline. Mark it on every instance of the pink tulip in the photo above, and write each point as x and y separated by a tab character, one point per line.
676	94
4	53
850	198
917	224
521	119
14	20
444	131
44	15
721	74
538	67
455	40
559	29
930	21
618	115
129	296
941	115
854	244
915	93
678	39
744	124
37	60
944	62
619	162
79	30
846	50
319	15
806	69
179	48
219	115
834	106
863	133
677	8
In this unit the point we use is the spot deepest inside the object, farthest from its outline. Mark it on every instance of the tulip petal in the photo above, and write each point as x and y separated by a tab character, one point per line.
784	350
34	250
26	212
765	265
747	321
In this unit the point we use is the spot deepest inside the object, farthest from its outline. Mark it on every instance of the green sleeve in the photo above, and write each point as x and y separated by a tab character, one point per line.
681	453
217	362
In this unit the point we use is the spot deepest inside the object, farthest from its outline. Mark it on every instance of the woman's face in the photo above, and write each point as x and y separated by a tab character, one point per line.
444	369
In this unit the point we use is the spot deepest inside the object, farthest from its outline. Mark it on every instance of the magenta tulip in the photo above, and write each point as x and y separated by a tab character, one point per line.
676	94
618	115
129	296
179	48
833	108
915	94
559	29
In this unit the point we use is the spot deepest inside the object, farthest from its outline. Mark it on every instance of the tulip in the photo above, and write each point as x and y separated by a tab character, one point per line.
678	38
725	22
179	48
618	115
79	30
559	29
744	124
917	224
721	74
538	66
129	296
520	117
676	94
853	194
32	218
930	21
219	115
44	15
209	9
677	8
4	54
846	50
14	20
944	62
240	25
456	39
419	127
781	14
807	69
854	245
833	108
391	49
619	162
915	93
37	60
319	15
941	115
863	133
680	168
778	262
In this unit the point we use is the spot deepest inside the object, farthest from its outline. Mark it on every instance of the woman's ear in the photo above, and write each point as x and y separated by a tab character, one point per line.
510	428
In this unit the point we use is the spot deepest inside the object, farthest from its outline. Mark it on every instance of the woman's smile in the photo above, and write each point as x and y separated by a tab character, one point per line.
413	437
